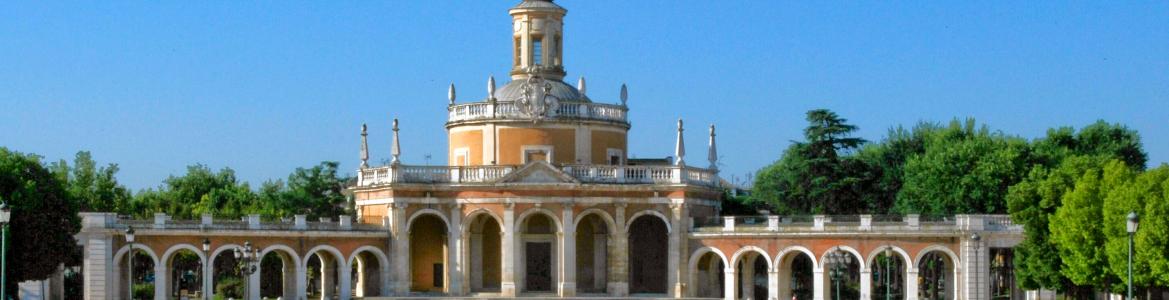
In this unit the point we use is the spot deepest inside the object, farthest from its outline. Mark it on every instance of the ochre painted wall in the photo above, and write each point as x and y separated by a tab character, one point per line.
472	140
427	247
512	140
602	141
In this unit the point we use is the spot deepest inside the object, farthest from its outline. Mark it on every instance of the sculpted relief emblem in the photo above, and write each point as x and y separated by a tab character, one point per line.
537	102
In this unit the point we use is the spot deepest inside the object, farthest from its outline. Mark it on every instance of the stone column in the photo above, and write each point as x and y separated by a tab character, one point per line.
867	283
328	271
619	268
507	286
784	289
773	284
208	276
454	248
289	273
568	254
476	260
253	291
747	283
819	285
346	287
677	245
301	281
401	250
99	263
911	284
161	281
729	283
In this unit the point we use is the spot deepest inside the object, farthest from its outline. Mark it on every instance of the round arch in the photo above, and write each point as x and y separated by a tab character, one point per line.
283	248
423	212
225	247
739	254
856	254
166	256
796	250
523	217
328	249
383	260
703	251
600	213
468	220
877	251
931	248
121	252
665	220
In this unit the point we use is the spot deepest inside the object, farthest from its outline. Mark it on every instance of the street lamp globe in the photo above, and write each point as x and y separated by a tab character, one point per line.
5	213
130	234
206	244
1132	222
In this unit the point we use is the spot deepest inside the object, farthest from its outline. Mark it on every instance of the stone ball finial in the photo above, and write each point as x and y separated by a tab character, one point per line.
679	124
451	93
580	85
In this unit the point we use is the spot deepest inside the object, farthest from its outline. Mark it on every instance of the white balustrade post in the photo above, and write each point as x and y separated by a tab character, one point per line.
772	223
819	222
729	223
866	222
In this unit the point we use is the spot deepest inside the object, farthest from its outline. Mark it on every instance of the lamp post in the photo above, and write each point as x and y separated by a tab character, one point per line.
206	262
246	256
836	261
5	217
888	253
1132	229
130	267
977	239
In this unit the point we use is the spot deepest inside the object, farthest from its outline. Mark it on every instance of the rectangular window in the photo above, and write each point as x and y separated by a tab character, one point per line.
536	152
616	156
517	51
537	53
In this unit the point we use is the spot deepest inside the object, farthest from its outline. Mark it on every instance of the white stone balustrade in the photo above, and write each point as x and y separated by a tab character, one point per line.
615	174
508	110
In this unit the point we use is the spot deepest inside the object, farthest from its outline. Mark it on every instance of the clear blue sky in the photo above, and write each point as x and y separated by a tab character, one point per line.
267	87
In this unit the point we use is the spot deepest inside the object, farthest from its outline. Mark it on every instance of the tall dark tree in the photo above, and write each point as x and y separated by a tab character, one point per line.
812	176
44	218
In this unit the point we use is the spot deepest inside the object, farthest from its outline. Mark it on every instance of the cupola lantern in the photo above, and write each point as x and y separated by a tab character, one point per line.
537	40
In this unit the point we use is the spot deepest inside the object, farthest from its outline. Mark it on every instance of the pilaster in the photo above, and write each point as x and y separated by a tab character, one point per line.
401	253
99	261
568	253
619	266
161	281
729	283
455	246
819	287
507	286
866	284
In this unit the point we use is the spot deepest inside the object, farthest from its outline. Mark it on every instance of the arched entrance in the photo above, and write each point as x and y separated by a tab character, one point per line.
888	269
428	254
707	274
226	282
592	253
325	267
184	278
936	276
140	275
538	253
484	253
648	239
751	268
278	273
796	275
368	269
842	273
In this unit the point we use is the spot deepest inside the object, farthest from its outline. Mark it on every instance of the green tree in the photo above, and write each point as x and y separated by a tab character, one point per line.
812	176
44	218
197	192
885	164
94	188
1152	238
316	191
965	169
1079	239
1140	195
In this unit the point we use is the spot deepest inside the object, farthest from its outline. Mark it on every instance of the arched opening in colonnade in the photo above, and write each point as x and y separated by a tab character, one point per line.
484	253
842	274
592	253
707	273
185	274
226	281
278	273
538	253
323	269
428	254
141	275
936	276
367	270
648	242
751	268
888	269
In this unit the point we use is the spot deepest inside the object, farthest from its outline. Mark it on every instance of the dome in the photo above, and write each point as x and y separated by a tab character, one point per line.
514	91
538	4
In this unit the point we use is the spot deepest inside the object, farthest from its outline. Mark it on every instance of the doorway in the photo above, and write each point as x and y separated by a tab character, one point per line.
538	256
